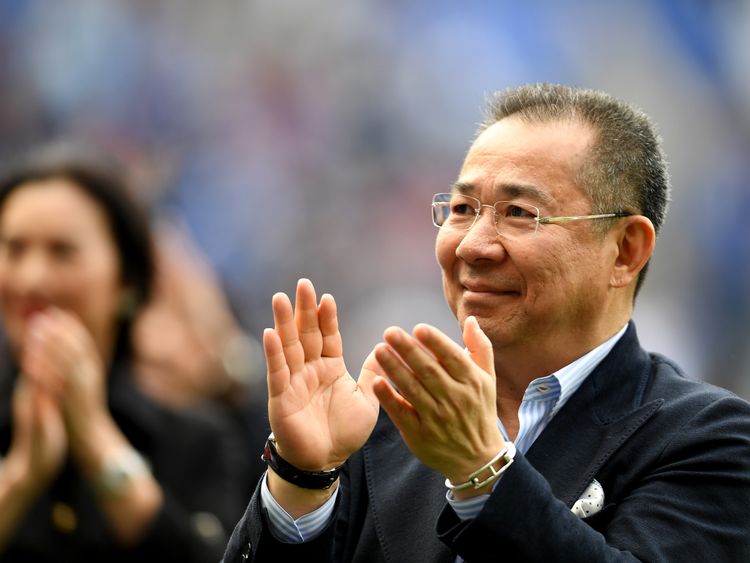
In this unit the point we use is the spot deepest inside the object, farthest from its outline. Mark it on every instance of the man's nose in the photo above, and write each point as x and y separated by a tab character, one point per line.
485	220
481	239
488	213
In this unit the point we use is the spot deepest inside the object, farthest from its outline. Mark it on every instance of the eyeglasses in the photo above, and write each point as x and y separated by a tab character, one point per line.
459	212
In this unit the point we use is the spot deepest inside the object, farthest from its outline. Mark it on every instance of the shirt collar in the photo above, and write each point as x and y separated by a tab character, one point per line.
574	374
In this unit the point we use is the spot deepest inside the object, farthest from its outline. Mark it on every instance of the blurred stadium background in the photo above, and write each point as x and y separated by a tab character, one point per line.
306	138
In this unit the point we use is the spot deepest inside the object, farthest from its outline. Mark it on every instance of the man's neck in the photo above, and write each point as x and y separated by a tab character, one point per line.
517	366
512	388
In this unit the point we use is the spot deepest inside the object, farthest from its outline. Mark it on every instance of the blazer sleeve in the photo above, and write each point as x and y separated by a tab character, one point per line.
689	501
252	540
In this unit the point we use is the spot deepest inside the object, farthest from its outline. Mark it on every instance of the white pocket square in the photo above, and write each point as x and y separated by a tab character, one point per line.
591	501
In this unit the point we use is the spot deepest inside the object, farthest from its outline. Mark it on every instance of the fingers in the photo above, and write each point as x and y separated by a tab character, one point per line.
400	411
409	367
370	370
22	408
429	366
276	362
46	410
306	319
307	331
454	359
49	353
329	327
60	355
478	345
38	423
286	329
47	435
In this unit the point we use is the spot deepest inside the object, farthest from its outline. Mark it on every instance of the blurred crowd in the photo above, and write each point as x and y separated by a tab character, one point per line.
290	139
125	425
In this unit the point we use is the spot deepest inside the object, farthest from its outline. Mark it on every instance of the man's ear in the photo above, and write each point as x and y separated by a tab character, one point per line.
636	238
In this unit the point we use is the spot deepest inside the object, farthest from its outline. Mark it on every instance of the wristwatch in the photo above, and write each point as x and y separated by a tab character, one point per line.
120	468
294	475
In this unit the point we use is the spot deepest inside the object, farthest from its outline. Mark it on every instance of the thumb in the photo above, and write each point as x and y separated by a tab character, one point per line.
370	371
478	345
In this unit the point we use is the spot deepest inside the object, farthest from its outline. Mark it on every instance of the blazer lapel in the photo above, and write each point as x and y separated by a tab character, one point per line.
597	420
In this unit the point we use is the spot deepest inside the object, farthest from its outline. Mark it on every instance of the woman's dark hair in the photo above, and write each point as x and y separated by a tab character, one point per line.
103	179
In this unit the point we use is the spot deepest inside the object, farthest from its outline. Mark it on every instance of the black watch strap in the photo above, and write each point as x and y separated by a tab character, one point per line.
298	477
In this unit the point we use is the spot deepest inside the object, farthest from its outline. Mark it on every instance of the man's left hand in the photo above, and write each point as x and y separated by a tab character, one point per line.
444	400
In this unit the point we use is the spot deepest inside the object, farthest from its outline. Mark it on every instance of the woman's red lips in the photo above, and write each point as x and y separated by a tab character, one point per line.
28	311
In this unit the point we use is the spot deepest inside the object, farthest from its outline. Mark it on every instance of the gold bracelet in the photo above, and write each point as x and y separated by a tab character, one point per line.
507	455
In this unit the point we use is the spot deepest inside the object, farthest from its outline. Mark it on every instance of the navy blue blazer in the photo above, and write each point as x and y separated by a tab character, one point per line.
672	455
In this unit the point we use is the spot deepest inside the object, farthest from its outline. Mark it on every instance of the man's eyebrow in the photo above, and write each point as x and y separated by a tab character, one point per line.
507	190
524	190
462	187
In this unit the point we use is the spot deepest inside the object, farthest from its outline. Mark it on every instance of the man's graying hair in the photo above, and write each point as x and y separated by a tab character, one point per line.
626	169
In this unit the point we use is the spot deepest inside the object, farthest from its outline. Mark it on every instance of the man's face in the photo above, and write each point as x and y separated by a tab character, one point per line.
537	291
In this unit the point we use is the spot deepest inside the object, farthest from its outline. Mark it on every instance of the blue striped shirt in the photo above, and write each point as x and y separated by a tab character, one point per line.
285	528
543	399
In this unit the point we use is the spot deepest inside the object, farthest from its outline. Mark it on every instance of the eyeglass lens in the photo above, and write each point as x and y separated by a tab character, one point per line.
460	212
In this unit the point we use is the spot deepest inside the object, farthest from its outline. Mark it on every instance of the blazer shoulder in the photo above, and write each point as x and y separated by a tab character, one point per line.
669	382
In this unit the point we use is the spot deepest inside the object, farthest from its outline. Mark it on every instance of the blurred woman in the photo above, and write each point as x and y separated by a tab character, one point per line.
93	470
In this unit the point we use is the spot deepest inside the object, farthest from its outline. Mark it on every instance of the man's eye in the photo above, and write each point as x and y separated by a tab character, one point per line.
518	212
462	209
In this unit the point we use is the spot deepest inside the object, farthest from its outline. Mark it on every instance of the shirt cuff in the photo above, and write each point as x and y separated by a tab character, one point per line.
467	509
288	530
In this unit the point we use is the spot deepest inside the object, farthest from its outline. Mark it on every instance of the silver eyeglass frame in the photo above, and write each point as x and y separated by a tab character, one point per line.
537	220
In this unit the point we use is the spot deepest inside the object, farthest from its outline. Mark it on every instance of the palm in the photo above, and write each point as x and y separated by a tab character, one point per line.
39	433
319	413
63	357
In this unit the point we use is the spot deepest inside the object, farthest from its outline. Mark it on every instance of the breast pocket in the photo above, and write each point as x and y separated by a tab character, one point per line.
600	520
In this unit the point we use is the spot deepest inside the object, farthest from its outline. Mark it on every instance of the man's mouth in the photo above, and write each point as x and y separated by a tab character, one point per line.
487	289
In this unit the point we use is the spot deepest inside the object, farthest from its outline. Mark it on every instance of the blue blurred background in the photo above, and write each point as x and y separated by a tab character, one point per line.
306	138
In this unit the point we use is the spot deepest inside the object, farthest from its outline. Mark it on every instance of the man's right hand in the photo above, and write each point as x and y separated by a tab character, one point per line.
319	414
